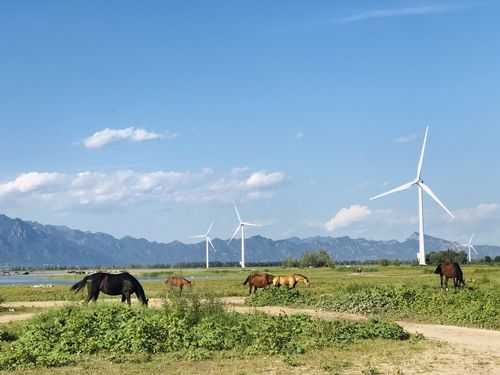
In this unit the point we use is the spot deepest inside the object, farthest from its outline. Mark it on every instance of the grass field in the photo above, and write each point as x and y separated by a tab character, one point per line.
225	282
343	289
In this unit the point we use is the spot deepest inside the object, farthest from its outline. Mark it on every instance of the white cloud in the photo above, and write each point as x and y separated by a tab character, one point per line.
262	179
483	211
106	136
299	135
347	216
406	138
398	12
124	187
31	182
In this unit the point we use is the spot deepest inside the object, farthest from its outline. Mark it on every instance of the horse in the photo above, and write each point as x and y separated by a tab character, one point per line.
123	284
258	280
448	270
178	282
291	280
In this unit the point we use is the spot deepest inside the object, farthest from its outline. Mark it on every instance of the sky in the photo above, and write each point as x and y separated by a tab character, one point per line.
150	119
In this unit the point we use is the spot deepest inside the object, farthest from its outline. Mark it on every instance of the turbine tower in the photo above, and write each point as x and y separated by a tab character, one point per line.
419	183
470	247
241	226
208	242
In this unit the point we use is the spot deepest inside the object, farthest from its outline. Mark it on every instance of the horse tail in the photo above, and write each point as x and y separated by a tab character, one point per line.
247	280
459	273
79	285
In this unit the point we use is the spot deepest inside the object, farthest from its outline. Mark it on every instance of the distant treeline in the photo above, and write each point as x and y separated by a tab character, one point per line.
319	258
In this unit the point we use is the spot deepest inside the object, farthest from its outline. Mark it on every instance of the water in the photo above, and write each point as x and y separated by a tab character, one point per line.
33	280
43	280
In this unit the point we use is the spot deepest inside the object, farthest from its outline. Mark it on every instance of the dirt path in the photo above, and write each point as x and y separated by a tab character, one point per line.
478	340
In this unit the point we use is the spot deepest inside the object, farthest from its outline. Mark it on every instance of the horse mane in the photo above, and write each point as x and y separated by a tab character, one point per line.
139	289
300	275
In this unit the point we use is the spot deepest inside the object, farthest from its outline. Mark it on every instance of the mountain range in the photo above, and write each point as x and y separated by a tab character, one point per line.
26	243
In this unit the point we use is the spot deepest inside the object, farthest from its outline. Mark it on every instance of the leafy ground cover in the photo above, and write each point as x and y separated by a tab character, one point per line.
189	328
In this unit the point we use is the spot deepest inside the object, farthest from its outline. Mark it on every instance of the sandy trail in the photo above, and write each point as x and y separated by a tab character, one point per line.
478	340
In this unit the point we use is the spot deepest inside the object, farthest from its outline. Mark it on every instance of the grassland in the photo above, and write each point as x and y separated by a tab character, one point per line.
367	357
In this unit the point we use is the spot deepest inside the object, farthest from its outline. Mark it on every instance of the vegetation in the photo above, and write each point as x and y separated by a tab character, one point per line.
469	307
436	257
313	259
188	327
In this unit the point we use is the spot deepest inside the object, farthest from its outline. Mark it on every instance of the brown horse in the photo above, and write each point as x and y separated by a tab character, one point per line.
448	270
178	282
291	280
258	280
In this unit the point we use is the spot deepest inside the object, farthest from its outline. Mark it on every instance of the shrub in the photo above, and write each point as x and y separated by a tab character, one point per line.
190	328
279	296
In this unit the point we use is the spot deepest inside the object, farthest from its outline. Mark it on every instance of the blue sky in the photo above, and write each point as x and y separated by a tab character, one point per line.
150	119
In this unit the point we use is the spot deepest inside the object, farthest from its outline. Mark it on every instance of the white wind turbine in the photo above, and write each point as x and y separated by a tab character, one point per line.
419	183
208	242
470	247
241	226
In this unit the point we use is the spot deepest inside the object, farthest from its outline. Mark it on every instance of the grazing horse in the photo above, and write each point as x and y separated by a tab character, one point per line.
178	282
291	280
258	280
448	270
123	284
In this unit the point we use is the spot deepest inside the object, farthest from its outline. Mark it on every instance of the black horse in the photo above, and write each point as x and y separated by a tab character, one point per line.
448	270
123	284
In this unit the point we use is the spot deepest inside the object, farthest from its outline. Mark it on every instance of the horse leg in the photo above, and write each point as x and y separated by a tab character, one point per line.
96	295
128	299
249	289
123	298
180	290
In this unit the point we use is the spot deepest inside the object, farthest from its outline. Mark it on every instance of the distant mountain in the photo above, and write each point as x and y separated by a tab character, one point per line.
24	243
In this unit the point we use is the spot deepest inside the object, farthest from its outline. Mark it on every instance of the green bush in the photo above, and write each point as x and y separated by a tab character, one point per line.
192	329
279	296
470	307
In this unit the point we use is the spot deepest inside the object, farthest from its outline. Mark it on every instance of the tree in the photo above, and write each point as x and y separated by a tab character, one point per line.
497	259
487	259
436	257
319	258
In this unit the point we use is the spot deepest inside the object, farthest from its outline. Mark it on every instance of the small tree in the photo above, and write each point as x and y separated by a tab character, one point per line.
487	259
319	258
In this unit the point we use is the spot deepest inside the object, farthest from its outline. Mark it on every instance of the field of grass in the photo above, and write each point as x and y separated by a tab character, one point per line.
225	282
378	291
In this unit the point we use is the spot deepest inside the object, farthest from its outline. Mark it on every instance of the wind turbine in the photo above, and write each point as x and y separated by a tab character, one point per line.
419	183
241	226
208	242
469	246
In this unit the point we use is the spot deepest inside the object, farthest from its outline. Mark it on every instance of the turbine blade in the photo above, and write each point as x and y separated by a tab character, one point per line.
395	190
471	239
473	248
234	234
421	161
251	224
209	229
428	190
211	244
237	213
